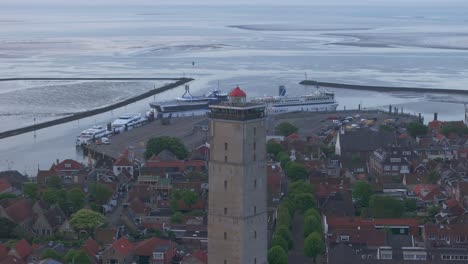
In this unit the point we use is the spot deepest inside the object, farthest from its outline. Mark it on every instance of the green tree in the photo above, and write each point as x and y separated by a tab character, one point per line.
86	219
100	193
314	245
158	144
296	171
277	240
277	255
311	224
189	197
30	190
77	256
285	233
362	191
386	128
76	198
312	212
7	228
54	182
283	158
7	196
433	210
385	207
410	205
284	217
51	196
51	253
286	129
273	148
304	201
176	218
299	187
434	176
176	195
417	129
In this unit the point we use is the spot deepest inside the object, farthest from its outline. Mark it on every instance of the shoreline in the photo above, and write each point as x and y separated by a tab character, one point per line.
382	88
80	115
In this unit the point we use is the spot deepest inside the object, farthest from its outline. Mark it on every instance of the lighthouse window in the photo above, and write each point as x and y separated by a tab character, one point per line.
225	158
255	145
255	234
255	131
225	236
225	146
225	185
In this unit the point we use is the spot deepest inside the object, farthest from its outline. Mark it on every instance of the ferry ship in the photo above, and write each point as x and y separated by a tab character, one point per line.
320	101
91	134
127	121
188	104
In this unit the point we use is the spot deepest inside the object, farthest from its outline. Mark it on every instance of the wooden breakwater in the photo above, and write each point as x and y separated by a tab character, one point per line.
80	115
383	88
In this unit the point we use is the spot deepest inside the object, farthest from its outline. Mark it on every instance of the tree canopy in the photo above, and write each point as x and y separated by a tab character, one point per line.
100	193
434	176
296	171
385	207
273	148
158	144
87	219
314	245
7	229
312	222
283	158
286	129
77	256
362	191
51	253
285	233
30	190
277	240
54	182
277	255
417	129
176	218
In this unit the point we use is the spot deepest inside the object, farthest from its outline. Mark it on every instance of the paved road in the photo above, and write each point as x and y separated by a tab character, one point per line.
296	255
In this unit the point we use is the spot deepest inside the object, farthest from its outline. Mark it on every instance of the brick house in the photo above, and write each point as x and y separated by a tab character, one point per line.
453	236
91	248
21	250
196	257
5	186
154	251
167	162
120	252
48	220
123	163
19	212
390	162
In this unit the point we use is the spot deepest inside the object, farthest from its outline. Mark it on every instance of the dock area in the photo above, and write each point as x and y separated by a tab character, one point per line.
136	138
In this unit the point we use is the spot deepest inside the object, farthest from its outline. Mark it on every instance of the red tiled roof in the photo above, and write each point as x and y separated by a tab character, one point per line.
237	92
123	246
200	255
274	178
435	124
138	207
10	259
67	165
426	191
20	211
446	230
23	248
91	248
146	247
123	160
3	251
369	237
199	204
4	185
356	222
293	136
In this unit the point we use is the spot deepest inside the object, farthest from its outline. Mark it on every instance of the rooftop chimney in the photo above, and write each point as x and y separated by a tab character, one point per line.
435	116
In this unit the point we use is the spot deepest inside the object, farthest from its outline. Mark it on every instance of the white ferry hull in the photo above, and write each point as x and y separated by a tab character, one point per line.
275	110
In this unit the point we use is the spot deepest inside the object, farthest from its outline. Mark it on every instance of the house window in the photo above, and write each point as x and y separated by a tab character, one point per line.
255	145
225	158
225	185
344	238
158	255
225	236
255	131
225	211
255	184
225	146
432	237
255	234
387	167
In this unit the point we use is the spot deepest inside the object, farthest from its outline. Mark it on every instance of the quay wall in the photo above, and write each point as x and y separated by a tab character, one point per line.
80	115
383	88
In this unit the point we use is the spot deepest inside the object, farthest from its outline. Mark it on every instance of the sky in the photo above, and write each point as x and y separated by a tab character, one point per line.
233	2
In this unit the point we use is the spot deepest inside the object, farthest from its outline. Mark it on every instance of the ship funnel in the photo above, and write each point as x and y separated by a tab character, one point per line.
282	90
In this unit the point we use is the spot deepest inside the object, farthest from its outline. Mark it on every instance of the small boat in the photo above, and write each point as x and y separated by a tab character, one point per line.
91	134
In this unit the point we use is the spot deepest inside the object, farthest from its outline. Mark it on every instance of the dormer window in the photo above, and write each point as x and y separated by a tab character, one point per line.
158	255
344	238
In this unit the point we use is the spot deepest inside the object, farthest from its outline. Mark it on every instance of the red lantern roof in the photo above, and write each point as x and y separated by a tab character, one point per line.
237	92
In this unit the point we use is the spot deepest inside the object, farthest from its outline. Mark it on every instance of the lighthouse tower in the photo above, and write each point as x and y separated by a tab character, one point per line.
237	211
